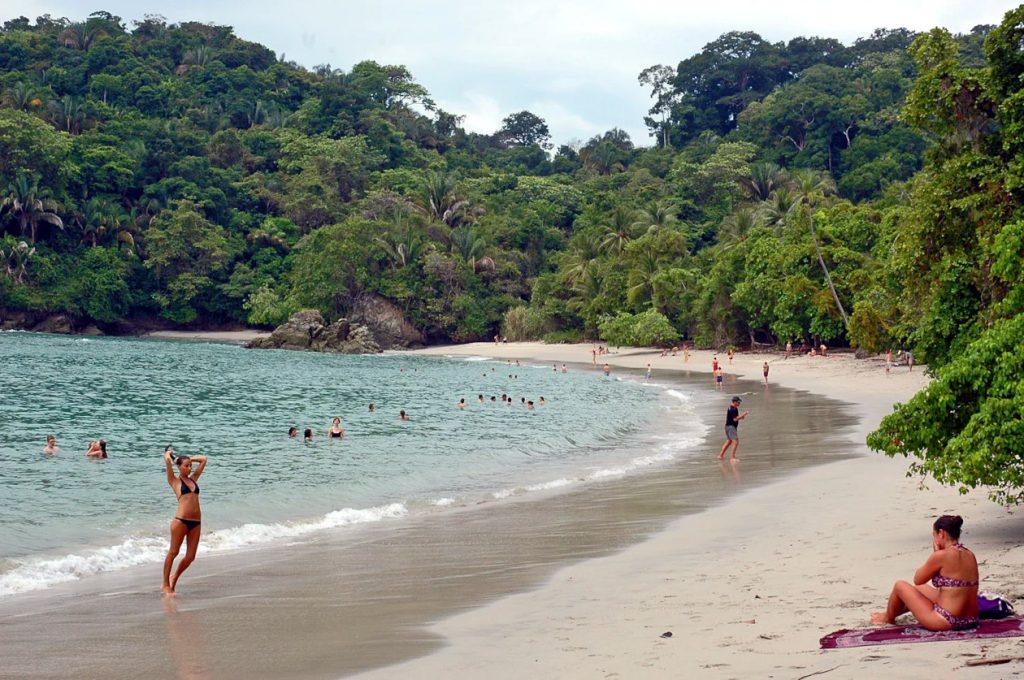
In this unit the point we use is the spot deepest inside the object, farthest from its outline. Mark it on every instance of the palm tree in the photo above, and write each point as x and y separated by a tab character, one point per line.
642	275
29	205
468	244
656	216
619	231
586	247
780	204
811	186
80	36
16	259
736	226
100	217
765	178
439	201
68	113
21	97
402	248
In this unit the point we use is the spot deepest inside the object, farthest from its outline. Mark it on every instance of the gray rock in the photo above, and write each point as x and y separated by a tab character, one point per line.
385	321
92	331
306	330
57	323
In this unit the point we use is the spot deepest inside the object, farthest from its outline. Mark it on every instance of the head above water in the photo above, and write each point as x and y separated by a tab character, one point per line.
308	434
336	420
293	431
951	524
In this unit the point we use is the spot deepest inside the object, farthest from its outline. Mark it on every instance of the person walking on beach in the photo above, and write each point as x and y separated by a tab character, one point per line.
731	355
714	365
718	378
186	525
888	361
764	369
686	354
732	423
789	348
910	360
648	375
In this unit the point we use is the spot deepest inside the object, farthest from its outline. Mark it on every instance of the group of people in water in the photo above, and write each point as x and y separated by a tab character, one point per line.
97	448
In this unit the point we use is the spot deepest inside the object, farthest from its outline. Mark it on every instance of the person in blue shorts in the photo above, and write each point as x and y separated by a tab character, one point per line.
732	422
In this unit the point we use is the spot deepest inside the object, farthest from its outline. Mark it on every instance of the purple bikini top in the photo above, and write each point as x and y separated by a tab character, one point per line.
940	581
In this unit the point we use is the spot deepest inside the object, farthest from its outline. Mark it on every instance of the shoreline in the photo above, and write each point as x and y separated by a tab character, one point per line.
747	587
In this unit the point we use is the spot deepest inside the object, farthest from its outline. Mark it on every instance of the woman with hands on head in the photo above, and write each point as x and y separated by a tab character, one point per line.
186	525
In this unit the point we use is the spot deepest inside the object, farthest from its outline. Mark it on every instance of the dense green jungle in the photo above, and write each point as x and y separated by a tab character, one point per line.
866	195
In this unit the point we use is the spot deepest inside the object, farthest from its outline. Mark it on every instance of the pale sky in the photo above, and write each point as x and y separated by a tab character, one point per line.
572	62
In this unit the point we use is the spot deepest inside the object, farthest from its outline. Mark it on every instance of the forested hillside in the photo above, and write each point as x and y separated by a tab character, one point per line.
800	190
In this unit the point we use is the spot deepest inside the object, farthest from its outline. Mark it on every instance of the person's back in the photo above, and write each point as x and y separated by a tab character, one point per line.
957	581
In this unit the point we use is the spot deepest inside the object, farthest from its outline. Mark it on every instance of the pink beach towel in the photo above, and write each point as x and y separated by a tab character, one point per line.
900	635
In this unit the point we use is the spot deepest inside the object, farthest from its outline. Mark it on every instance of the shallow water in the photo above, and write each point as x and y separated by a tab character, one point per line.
66	517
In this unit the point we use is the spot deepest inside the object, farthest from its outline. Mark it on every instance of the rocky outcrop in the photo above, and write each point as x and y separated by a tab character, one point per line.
385	321
306	330
58	323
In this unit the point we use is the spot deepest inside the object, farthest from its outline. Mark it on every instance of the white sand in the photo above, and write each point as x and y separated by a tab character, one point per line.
210	336
747	588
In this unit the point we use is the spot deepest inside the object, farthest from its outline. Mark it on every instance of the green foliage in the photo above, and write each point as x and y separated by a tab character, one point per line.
523	323
967	427
646	329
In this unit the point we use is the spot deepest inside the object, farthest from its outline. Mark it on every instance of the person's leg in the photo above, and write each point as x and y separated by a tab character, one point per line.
725	447
735	447
190	554
906	597
178	531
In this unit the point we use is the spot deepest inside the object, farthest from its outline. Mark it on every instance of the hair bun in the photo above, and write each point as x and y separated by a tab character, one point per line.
958	520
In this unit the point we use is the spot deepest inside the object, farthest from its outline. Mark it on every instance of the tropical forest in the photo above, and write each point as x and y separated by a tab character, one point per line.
866	195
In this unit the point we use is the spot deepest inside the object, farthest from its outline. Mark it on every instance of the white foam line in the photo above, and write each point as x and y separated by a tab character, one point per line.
37	574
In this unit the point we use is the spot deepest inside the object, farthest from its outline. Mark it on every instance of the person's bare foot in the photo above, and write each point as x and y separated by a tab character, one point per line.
879	619
168	591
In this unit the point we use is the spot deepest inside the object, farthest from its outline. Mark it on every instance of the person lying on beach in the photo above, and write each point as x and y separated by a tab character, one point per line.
336	431
944	594
51	445
187	524
97	449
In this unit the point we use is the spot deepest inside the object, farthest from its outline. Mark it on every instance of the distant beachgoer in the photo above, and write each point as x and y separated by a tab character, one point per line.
824	350
542	402
51	445
522	400
648	374
480	398
686	354
714	365
593	355
97	449
307	436
944	594
529	406
718	378
402	415
673	350
731	354
554	368
888	361
732	423
187	524
509	376
462	403
764	369
910	360
504	397
336	431
494	398
517	363
372	408
789	348
293	432
497	339
564	369
607	370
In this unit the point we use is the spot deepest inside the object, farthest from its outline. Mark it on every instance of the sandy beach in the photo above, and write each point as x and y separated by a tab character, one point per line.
747	588
236	337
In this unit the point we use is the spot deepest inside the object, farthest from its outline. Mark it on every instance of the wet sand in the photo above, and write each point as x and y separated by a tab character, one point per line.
362	598
234	337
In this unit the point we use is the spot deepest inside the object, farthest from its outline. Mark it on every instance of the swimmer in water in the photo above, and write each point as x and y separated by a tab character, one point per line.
402	415
336	431
542	402
564	369
462	403
307	436
607	370
293	432
186	525
51	445
372	408
480	398
494	398
97	449
529	406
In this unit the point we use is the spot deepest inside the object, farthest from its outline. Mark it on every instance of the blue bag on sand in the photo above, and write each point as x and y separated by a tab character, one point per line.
993	606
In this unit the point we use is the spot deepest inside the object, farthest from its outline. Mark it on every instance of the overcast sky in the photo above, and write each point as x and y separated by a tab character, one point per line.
572	62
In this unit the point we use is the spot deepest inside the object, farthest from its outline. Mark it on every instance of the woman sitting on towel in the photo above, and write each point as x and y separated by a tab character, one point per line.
944	594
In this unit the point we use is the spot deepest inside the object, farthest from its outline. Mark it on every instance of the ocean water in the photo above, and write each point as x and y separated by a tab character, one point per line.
66	517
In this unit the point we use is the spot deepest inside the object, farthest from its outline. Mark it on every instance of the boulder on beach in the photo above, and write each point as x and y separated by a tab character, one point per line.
385	321
307	331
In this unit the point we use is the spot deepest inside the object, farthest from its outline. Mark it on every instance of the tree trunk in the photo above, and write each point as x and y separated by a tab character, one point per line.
828	277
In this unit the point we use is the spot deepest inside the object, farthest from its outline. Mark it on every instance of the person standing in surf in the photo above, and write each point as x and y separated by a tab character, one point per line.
186	525
732	422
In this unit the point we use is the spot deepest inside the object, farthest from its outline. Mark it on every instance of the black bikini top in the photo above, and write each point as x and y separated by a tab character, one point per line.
185	489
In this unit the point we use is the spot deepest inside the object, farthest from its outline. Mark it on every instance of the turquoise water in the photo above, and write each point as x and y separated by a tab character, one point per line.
66	517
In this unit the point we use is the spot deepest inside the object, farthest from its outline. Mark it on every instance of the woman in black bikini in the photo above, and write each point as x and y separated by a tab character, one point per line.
186	524
336	431
944	594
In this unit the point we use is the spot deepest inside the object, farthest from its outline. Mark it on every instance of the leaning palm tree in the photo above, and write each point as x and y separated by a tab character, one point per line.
29	205
779	206
440	202
812	186
468	244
